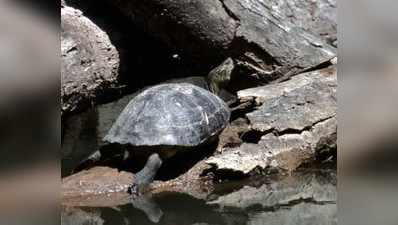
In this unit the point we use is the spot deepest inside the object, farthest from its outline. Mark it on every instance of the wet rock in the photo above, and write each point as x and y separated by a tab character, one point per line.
105	187
295	122
99	186
108	187
193	182
90	62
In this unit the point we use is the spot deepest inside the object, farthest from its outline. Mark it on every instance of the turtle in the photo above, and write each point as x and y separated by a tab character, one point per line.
165	119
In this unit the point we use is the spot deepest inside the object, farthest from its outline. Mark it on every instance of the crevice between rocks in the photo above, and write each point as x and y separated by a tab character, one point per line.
254	136
231	14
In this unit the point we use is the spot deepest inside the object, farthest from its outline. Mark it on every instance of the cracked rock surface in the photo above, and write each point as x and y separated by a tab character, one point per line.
297	120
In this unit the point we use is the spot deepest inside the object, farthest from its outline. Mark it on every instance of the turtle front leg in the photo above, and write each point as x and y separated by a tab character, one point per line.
147	174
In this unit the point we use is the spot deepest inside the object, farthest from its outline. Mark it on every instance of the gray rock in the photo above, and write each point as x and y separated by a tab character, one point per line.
297	109
90	62
318	17
297	120
170	115
280	46
200	27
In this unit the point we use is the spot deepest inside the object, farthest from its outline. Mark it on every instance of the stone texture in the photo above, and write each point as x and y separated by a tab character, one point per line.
89	62
318	17
296	121
99	186
278	46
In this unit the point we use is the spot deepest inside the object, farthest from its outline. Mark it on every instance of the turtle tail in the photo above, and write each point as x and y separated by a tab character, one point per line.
147	174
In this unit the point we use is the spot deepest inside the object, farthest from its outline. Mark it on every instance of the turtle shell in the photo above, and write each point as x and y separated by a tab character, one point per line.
178	114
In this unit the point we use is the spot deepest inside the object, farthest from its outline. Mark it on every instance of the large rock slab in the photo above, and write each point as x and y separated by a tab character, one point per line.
318	17
277	45
90	63
199	27
270	40
296	107
295	123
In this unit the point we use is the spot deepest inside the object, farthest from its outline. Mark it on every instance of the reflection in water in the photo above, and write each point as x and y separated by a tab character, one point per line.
307	197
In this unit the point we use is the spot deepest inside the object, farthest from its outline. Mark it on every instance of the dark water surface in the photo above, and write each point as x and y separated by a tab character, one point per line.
305	197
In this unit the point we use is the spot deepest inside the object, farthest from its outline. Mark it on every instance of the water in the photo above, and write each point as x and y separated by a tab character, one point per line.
305	197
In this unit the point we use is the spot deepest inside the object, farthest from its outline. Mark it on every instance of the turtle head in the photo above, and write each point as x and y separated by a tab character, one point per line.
147	174
220	76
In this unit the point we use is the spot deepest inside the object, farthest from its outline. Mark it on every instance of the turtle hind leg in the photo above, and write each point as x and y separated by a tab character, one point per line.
88	162
145	176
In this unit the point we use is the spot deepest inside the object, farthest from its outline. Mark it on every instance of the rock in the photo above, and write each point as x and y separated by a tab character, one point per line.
78	139
108	187
105	187
90	62
296	122
99	186
317	17
274	45
199	27
268	41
